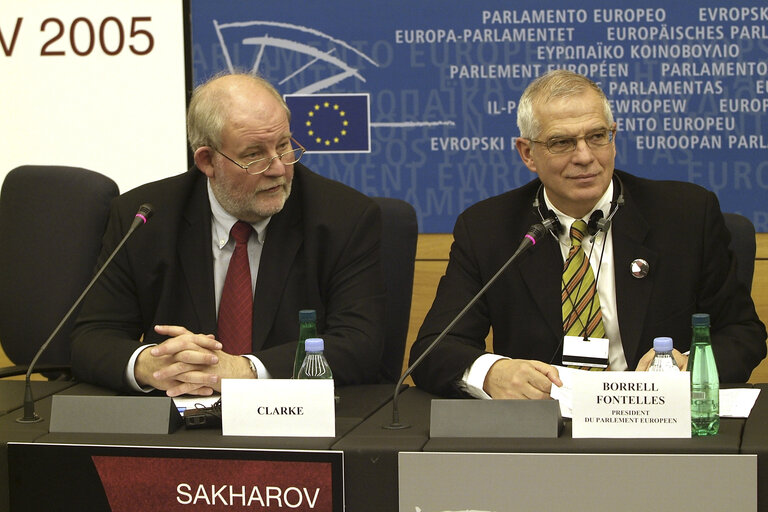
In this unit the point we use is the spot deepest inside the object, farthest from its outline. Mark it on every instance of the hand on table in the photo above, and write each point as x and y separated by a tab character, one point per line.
520	378
188	363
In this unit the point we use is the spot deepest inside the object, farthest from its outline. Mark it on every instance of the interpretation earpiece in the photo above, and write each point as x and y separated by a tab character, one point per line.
594	225
599	224
550	220
604	225
552	223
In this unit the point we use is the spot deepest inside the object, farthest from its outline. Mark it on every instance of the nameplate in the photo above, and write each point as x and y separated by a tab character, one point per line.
127	478
631	404
114	414
278	407
495	418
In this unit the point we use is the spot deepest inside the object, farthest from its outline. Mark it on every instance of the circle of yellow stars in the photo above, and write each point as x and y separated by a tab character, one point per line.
316	111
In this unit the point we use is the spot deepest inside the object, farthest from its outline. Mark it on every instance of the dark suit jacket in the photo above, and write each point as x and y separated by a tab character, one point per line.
321	252
676	227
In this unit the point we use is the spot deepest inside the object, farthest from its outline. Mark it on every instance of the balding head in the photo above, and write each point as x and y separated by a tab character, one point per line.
559	83
212	101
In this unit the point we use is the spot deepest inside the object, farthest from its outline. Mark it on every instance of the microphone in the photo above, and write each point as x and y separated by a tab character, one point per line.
535	232
30	416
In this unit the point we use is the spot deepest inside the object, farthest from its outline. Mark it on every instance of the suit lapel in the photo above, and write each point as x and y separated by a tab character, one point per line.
195	240
629	231
541	269
283	239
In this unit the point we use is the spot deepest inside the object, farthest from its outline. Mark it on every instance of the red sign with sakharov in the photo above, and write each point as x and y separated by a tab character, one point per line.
184	484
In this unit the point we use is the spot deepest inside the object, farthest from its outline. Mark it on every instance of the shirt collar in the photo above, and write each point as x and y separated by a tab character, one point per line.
222	222
604	204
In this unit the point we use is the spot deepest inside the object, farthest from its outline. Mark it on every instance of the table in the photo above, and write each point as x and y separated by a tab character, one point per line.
356	404
371	452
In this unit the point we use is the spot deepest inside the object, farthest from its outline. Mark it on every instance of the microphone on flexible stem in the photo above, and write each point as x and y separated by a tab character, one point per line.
529	240
30	416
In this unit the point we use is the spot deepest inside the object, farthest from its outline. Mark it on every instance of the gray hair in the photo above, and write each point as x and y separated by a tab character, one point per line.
208	112
559	83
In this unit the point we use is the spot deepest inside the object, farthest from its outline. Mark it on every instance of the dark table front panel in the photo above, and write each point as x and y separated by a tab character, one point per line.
755	440
370	452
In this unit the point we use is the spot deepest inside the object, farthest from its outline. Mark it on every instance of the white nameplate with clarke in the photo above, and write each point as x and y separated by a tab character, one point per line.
278	407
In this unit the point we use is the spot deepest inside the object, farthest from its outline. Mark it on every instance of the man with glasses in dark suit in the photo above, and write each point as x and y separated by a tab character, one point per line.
660	256
211	287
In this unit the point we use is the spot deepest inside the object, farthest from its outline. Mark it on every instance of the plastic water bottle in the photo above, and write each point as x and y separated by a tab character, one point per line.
307	329
705	382
663	360
315	365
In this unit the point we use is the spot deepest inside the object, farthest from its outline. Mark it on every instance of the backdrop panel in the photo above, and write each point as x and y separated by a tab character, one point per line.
688	82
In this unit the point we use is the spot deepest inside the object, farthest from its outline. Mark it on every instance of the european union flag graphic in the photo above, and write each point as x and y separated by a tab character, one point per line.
331	123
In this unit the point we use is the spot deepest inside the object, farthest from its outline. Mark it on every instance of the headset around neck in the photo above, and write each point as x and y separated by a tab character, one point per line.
597	221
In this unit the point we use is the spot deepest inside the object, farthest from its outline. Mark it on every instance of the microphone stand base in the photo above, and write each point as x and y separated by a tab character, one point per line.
396	426
34	419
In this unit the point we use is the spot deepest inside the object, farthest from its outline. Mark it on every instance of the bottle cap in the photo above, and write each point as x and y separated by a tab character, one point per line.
701	320
307	315
314	345
662	344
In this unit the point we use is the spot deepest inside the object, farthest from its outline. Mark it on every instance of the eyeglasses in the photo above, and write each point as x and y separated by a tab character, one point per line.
595	140
263	164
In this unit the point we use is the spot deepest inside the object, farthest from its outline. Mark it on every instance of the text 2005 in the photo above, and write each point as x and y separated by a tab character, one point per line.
111	36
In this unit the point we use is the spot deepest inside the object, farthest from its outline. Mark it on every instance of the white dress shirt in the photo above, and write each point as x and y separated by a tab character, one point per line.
599	249
222	247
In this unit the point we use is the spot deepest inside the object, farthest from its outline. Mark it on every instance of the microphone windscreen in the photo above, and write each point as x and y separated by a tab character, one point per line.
537	231
145	212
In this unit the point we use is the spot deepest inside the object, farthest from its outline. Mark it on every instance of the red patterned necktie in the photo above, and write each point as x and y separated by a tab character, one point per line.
236	306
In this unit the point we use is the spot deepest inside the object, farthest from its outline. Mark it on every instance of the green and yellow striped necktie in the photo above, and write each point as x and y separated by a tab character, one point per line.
581	304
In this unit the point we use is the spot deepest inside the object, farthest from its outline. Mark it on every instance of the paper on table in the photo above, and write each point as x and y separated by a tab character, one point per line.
737	402
185	402
734	403
564	394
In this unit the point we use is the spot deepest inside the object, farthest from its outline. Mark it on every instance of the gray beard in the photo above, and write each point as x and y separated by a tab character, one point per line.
244	210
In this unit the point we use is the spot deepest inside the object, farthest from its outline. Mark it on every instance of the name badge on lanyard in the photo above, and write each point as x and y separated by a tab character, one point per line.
591	352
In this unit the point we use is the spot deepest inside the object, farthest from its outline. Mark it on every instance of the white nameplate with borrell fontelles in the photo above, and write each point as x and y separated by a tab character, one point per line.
278	408
631	404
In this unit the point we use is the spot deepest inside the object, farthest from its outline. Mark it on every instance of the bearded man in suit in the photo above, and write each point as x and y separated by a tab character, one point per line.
154	319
